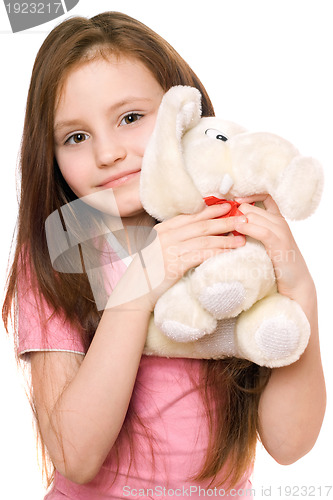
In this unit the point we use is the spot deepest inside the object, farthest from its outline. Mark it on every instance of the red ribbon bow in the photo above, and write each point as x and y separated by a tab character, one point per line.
212	200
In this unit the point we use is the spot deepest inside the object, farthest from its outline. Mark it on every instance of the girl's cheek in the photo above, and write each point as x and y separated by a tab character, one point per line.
70	173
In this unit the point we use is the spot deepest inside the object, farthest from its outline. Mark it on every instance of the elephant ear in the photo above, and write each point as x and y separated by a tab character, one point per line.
166	188
267	163
300	188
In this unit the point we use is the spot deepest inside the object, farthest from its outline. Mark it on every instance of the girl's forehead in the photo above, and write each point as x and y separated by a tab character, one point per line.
95	58
91	58
104	81
107	59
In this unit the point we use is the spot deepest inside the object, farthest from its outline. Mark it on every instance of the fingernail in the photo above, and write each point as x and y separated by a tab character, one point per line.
241	219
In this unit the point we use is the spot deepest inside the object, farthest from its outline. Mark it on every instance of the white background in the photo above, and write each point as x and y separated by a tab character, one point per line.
266	64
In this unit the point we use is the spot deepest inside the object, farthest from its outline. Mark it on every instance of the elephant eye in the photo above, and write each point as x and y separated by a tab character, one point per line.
216	134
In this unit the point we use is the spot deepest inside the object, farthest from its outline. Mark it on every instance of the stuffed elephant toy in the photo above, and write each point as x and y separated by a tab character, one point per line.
229	305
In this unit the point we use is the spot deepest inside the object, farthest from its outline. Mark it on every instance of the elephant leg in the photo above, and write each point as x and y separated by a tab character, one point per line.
233	281
179	314
274	332
221	343
217	345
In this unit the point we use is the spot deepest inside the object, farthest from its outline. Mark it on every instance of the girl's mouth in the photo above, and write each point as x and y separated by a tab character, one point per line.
117	181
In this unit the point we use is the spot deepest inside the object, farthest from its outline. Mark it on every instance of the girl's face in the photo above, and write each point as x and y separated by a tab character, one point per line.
103	121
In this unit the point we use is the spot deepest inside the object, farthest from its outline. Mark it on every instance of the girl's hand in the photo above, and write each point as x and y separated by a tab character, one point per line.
186	241
180	243
270	227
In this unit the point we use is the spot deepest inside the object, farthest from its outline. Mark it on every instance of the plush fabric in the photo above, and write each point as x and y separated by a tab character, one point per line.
188	159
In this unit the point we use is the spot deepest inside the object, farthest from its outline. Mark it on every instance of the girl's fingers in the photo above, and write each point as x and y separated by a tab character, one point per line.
193	259
210	227
259	216
271	206
260	232
207	213
268	202
211	243
260	226
196	247
273	217
193	253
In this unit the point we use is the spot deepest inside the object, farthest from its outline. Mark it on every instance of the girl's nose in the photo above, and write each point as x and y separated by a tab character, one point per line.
108	152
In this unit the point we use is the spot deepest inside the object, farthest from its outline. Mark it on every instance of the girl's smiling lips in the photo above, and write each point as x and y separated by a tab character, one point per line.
118	179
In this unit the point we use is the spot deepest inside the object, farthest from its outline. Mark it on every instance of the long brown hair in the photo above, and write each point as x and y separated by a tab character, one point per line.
234	425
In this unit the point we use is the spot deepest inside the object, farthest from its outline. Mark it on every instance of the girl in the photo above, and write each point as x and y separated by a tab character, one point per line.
114	422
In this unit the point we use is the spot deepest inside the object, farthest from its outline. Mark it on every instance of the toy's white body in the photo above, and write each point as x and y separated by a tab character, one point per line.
229	305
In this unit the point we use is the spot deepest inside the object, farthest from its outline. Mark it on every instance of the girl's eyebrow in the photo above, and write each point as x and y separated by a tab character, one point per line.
68	123
129	100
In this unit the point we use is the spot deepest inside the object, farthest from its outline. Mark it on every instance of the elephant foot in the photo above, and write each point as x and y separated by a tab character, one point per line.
180	316
274	332
179	332
223	300
277	337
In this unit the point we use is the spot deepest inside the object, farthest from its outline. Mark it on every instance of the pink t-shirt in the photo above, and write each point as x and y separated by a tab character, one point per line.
168	402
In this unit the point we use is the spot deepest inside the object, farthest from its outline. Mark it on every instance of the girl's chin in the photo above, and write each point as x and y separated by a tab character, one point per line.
132	212
129	205
112	202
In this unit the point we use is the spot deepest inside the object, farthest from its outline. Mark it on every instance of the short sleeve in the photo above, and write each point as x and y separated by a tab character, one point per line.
40	328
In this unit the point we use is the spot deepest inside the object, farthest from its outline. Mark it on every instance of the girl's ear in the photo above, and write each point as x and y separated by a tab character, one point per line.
166	189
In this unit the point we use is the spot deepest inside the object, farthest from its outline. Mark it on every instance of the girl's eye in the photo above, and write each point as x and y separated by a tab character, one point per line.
77	138
130	118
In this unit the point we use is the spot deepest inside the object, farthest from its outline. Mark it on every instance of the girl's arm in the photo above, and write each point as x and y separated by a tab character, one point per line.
292	405
84	400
